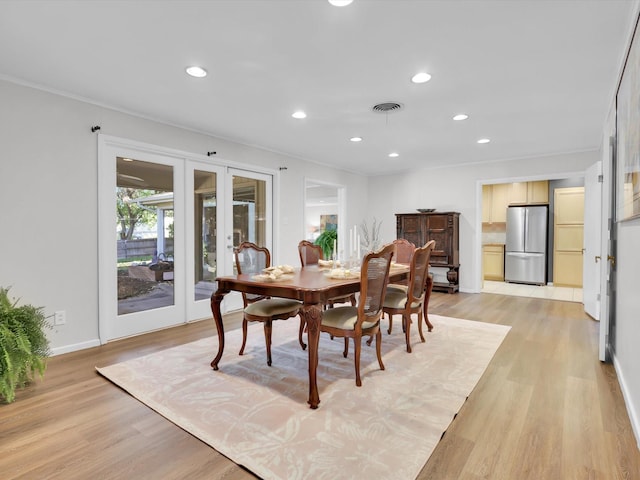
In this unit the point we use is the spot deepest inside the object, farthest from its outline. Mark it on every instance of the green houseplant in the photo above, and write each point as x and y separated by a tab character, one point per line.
24	347
327	240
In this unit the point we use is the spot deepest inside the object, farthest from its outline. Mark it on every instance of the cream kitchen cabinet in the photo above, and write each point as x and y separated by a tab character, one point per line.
496	198
568	225
528	192
493	262
494	203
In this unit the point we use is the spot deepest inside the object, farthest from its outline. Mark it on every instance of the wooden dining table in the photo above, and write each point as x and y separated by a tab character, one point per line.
311	285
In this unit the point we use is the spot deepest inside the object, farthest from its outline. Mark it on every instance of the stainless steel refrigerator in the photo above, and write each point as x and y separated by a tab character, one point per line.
526	244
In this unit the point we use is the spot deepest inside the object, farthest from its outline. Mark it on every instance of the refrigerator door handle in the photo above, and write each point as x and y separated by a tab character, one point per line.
526	229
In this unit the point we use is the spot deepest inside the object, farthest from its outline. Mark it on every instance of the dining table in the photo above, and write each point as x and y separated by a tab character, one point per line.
313	286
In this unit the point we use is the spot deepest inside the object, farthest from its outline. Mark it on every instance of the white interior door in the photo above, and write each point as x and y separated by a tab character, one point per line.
592	240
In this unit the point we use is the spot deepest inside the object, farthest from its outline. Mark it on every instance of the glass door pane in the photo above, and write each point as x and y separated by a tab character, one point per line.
249	211
205	233
145	235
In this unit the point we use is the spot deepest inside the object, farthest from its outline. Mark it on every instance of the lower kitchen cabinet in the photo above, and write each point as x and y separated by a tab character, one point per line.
493	262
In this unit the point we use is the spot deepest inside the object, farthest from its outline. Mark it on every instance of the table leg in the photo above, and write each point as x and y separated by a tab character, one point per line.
313	316
425	305
216	300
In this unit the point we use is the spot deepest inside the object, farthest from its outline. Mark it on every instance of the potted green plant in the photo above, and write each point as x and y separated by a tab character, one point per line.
327	240
24	347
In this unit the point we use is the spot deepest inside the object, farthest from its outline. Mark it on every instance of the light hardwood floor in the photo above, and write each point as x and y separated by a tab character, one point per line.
546	408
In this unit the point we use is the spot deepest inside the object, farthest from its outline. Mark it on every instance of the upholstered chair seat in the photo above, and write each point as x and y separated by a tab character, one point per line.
398	300
395	287
344	318
270	307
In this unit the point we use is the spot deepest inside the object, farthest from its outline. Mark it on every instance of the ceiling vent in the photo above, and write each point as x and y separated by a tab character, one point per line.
387	107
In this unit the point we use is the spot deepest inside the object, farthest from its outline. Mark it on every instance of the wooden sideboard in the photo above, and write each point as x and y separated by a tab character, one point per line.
443	227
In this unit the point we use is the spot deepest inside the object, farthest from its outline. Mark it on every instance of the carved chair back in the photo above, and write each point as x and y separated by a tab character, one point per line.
250	258
309	253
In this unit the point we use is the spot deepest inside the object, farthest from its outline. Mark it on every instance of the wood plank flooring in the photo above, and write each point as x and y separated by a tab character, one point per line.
546	408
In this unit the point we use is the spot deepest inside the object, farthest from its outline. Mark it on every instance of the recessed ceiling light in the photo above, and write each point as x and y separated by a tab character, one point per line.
394	154
356	139
299	114
421	77
197	72
340	3
484	140
460	116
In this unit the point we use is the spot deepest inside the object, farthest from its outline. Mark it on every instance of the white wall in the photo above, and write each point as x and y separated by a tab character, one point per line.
48	193
627	329
458	189
626	332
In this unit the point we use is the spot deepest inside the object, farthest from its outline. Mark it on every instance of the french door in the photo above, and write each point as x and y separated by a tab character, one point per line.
248	218
167	227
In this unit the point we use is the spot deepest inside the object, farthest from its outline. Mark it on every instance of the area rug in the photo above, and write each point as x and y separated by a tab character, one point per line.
258	416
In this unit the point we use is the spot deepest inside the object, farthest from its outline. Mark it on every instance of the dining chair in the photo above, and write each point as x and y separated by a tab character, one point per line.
250	258
403	250
363	320
310	254
411	300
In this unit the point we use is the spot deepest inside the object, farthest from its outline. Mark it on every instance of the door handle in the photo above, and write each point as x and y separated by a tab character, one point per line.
597	258
611	259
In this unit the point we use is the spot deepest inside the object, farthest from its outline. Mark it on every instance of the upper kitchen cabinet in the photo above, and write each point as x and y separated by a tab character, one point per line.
494	203
529	192
496	198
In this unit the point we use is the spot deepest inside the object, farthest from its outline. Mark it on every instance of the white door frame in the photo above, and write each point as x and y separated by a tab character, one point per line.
199	309
342	210
111	325
477	283
607	274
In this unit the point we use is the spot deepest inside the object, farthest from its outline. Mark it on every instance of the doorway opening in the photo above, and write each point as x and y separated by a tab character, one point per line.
324	209
494	200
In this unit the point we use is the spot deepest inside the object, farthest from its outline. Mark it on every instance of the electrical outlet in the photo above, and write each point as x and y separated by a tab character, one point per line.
59	318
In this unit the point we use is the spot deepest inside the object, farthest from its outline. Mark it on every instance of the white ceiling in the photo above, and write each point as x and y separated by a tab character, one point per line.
536	77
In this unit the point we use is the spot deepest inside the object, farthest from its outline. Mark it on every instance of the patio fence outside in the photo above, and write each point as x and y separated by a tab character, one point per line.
129	249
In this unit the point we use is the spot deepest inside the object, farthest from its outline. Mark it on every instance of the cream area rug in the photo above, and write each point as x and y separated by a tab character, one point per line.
258	416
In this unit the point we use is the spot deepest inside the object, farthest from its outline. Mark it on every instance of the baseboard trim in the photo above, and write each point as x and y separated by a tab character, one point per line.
75	347
632	411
